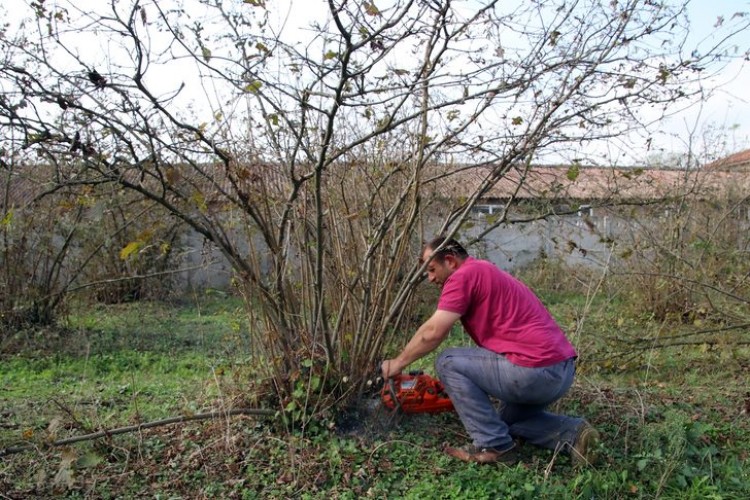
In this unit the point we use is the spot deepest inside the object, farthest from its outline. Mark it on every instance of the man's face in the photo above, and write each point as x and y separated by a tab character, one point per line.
438	272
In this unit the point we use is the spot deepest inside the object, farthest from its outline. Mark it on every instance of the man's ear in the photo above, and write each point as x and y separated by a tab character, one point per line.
451	260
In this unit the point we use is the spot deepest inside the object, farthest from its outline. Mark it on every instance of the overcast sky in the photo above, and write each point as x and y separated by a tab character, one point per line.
726	109
729	103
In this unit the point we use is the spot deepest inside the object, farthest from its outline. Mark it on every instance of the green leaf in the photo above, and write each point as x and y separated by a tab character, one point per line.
291	406
253	87
517	120
206	52
307	363
573	172
315	383
331	55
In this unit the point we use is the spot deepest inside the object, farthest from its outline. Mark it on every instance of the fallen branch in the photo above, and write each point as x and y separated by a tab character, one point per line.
638	349
661	339
138	427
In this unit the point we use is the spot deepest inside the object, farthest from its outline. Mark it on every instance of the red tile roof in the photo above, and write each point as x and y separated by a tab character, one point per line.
737	161
594	183
728	176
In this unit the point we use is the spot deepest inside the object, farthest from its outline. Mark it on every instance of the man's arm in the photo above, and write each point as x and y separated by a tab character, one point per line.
430	335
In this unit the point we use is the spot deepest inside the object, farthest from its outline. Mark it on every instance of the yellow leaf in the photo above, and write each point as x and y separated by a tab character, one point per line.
64	478
130	249
7	219
200	200
172	175
371	9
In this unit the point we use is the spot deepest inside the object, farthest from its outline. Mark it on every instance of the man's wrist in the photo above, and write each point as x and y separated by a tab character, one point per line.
398	364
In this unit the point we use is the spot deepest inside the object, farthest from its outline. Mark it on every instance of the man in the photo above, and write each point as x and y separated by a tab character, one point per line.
523	359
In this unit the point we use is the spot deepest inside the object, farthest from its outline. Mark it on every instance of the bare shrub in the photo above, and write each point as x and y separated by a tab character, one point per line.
690	260
134	248
328	153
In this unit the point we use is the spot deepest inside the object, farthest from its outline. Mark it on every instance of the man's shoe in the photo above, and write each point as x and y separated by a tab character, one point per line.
472	453
586	446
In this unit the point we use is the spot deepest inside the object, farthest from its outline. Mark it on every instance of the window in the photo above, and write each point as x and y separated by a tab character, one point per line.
483	209
585	210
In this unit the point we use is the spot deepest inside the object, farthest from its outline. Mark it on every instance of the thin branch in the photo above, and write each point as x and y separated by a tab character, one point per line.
139	427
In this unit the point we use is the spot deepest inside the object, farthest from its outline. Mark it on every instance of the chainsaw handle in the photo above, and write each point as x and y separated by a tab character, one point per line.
392	391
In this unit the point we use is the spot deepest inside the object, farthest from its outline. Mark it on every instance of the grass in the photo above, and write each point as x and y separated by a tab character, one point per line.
119	365
675	421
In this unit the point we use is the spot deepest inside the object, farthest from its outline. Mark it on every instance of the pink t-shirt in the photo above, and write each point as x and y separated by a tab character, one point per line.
503	315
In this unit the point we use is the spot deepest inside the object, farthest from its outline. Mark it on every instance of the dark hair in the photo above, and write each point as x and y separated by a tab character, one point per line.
449	247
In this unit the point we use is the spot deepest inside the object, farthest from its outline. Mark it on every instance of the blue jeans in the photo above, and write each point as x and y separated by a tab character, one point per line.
471	375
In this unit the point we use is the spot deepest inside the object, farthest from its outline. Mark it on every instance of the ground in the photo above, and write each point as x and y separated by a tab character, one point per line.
675	421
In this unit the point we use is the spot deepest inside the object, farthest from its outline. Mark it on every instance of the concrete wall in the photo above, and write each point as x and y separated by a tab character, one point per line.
576	239
584	240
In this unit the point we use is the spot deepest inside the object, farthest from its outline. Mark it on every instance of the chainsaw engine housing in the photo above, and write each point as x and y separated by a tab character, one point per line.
415	392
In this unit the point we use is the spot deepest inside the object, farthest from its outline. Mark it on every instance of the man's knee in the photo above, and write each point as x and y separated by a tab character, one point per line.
444	362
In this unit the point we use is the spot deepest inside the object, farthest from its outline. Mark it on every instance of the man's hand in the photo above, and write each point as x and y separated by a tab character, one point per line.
390	368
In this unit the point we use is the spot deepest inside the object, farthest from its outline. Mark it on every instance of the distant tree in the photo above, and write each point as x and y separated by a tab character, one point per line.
324	153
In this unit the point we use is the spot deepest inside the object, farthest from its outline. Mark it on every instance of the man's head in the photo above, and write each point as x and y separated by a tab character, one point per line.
443	257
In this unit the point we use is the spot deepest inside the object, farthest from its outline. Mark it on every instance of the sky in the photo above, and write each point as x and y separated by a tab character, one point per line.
728	104
725	112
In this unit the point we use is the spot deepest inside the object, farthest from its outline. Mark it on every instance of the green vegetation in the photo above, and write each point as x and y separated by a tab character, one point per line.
675	420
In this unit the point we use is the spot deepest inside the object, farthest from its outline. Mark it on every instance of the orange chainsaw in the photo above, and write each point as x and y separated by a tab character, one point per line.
415	392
